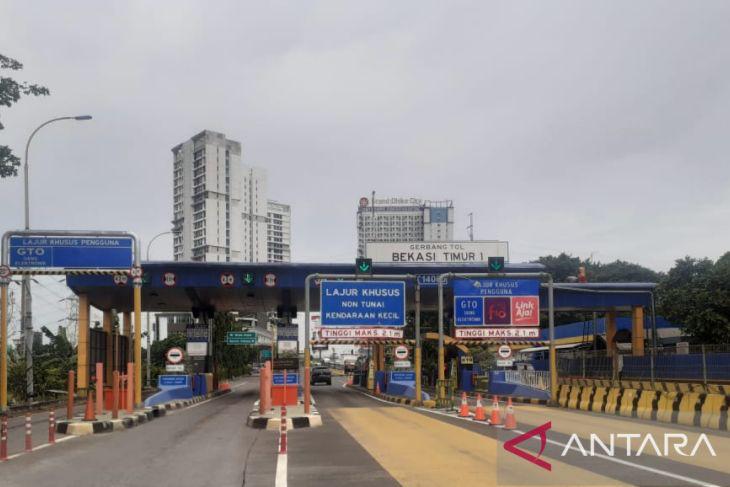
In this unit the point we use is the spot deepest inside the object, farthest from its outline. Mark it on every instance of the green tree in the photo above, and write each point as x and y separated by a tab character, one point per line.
696	294
11	92
620	271
561	266
229	360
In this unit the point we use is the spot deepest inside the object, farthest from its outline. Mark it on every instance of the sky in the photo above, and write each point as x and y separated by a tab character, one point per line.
596	128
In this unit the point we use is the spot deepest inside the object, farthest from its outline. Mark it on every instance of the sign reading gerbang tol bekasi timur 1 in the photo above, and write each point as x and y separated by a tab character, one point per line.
497	308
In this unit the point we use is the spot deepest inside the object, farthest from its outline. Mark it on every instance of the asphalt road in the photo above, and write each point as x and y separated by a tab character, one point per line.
363	442
207	444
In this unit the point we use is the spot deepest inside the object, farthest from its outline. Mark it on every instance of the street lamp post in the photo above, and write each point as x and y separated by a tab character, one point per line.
26	313
149	360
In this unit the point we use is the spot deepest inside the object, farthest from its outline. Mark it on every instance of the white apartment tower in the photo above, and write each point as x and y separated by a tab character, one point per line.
253	214
219	204
403	220
207	199
279	232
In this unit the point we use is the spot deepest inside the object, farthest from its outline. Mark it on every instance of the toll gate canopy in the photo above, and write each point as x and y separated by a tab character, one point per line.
257	287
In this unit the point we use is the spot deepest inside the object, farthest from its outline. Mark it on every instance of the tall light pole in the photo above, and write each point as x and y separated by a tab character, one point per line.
149	360
26	313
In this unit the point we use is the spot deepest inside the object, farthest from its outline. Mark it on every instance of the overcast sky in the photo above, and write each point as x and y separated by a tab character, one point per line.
578	126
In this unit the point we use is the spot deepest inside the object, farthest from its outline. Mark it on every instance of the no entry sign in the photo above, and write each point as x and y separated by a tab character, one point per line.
401	352
504	351
175	355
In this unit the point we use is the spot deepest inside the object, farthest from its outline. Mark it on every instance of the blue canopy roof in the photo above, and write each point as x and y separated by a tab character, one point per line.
182	286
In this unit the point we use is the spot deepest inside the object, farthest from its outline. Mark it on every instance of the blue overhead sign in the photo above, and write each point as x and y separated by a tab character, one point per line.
72	252
363	303
496	287
497	302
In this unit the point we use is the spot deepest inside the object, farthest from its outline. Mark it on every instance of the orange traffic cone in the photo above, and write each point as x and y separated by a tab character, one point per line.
464	409
377	388
496	419
479	414
510	422
89	413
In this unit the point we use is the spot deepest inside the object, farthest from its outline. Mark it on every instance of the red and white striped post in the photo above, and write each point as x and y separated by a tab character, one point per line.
28	433
4	438
282	435
51	427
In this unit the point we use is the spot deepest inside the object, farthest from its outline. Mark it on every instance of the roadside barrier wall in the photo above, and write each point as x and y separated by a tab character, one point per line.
686	407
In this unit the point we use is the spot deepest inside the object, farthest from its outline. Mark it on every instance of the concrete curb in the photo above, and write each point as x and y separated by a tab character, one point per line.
311	420
79	427
273	424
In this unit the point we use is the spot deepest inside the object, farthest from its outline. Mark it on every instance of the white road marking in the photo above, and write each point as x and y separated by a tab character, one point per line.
40	447
563	445
281	470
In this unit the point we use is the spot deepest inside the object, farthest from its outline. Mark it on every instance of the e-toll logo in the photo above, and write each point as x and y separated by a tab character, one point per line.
510	445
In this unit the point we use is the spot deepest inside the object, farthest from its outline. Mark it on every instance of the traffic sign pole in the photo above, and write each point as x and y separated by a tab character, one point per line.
417	351
4	347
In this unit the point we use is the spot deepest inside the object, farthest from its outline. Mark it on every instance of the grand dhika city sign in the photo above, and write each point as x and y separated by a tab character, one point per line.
497	308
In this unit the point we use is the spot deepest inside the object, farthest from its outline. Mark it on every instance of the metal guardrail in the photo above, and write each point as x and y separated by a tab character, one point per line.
537	379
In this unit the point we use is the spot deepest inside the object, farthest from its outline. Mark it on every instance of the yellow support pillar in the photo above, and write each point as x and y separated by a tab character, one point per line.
138	345
82	367
109	355
3	347
637	331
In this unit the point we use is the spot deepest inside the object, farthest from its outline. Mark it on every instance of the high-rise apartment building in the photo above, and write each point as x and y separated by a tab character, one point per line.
279	232
207	199
253	215
403	220
219	204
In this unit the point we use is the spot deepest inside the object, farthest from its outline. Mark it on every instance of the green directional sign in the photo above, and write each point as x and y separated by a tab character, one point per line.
363	266
240	338
495	264
249	278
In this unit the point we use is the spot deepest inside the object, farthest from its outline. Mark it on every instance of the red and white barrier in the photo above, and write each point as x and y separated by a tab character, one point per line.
4	438
28	433
52	427
282	434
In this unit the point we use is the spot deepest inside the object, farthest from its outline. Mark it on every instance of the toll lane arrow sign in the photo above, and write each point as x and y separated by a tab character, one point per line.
495	264
364	266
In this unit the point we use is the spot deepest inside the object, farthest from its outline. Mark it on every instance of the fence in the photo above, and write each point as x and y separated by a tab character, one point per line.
701	363
537	379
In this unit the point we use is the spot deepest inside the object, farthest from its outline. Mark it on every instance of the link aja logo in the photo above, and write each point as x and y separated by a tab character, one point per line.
670	443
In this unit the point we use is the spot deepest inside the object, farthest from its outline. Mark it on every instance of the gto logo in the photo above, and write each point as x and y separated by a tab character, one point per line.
25	251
